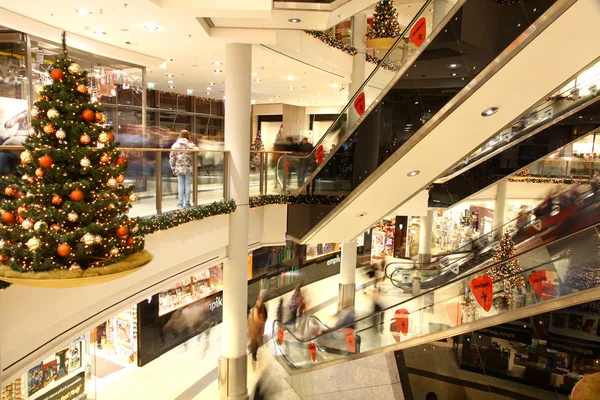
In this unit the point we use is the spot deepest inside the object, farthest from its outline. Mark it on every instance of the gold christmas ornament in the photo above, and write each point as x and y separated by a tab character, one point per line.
120	178
53	113
112	182
61	134
88	239
39	172
39	89
85	138
74	267
35	112
26	157
98	239
33	244
40	226
56	199
104	159
103	138
132	198
72	216
85	162
74	69
114	252
82	88
27	224
49	129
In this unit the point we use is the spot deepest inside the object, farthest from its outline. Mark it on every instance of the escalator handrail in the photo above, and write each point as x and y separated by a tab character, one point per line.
425	293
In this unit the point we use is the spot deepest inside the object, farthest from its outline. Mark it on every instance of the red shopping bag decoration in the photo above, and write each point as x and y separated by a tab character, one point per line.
401	317
454	311
359	103
418	33
395	331
280	335
483	291
543	283
312	349
319	154
350	339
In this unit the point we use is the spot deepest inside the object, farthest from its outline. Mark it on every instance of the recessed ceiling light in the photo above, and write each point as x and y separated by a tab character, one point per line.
255	74
218	71
169	75
190	92
276	95
169	59
408	15
208	93
257	80
291	88
131	43
100	33
335	85
151	85
414	173
294	20
171	87
211	83
216	62
290	77
209	88
318	94
151	27
169	81
452	66
454	74
270	99
83	11
362	214
489	111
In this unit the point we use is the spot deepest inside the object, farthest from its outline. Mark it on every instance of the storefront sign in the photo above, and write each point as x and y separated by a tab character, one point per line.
570	344
335	260
508	332
68	390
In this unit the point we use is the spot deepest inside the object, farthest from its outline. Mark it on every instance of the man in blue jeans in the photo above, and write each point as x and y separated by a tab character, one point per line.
182	166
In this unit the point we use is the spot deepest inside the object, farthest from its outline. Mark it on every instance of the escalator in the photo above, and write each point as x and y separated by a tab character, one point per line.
467	50
559	274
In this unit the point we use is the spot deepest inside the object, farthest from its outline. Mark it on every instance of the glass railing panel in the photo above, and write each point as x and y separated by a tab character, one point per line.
211	176
514	284
141	173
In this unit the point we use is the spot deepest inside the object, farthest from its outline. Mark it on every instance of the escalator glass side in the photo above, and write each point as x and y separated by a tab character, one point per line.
541	275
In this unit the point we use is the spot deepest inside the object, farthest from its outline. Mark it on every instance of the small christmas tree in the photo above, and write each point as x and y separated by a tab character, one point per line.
68	210
385	21
501	273
257	145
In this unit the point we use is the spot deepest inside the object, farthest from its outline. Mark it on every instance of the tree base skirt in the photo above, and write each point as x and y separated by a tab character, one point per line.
381	43
77	278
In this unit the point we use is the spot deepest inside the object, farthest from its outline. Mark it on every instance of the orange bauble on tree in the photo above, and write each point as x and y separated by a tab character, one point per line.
88	115
76	195
122	231
8	217
46	161
111	137
130	242
57	74
64	250
121	161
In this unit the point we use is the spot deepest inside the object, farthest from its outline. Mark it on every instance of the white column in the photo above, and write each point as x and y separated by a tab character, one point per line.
499	209
347	286
425	236
232	364
359	30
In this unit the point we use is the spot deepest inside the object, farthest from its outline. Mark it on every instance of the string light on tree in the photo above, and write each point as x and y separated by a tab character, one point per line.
385	21
507	274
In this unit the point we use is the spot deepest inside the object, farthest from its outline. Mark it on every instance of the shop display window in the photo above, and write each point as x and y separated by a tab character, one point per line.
190	290
317	250
383	238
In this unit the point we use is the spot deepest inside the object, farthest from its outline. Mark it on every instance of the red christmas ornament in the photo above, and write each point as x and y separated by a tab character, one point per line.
120	178
98	116
76	195
129	242
124	198
55	227
111	137
49	129
121	161
122	231
3	258
10	191
56	199
105	158
88	115
64	250
8	217
46	161
57	74
20	219
31	180
39	172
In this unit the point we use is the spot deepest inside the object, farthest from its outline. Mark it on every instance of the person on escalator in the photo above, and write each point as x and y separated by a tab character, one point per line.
304	148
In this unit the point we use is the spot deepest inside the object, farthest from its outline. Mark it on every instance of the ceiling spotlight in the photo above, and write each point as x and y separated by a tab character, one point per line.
291	88
489	111
257	80
151	85
217	63
335	85
190	92
169	75
290	77
209	88
210	93
452	66
255	74
169	81
211	83
270	99
318	94
83	11
413	173
151	27
362	214
100	33
171	87
294	20
454	74
218	71
276	96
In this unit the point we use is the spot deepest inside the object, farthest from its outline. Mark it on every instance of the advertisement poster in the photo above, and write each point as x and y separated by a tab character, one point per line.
35	379
70	389
74	355
50	371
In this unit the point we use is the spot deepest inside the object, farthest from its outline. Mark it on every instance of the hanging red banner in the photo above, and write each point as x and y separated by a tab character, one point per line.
350	339
483	291
319	155
454	311
418	33
312	349
395	331
280	335
401	317
360	104
543	283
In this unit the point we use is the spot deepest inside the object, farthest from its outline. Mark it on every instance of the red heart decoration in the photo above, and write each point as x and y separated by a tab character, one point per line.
454	311
395	331
483	291
418	33
312	349
280	335
359	103
401	317
543	283
350	339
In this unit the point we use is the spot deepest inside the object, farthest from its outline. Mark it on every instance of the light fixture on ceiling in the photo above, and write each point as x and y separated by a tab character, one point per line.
257	80
151	27
318	94
413	173
100	33
208	93
454	74
209	88
489	111
294	20
169	75
83	11
362	214
291	88
453	66
255	74
270	99
408	15
151	85
171	87
190	92
216	62
290	77
218	71
211	83
276	96
169	59
335	85
129	42
170	82
252	102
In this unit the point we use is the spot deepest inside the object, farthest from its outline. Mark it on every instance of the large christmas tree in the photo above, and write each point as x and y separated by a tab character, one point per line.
68	208
385	21
257	145
502	274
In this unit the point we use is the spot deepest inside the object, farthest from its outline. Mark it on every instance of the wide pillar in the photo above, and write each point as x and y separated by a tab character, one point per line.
499	209
359	31
347	287
232	363
439	12
425	236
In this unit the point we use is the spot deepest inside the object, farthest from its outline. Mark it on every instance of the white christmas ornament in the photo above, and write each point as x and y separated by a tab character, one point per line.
61	134
27	224
85	162
26	157
33	243
88	239
53	113
35	112
112	182
114	252
72	216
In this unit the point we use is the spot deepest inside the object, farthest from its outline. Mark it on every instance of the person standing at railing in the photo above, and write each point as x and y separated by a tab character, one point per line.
182	166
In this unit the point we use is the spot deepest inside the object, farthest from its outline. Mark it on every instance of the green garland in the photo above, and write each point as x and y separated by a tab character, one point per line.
265	200
346	48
